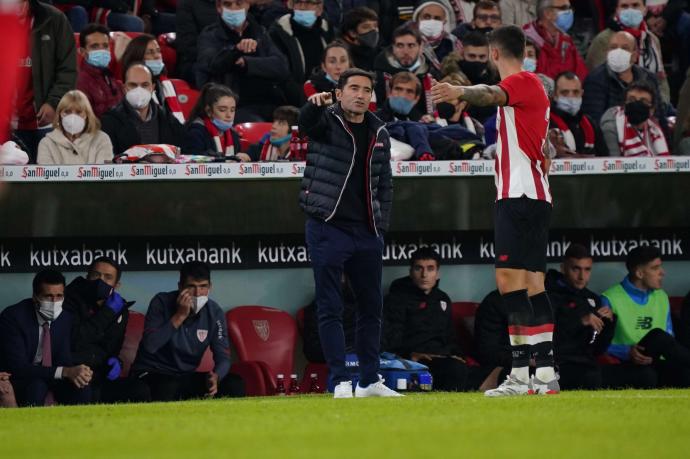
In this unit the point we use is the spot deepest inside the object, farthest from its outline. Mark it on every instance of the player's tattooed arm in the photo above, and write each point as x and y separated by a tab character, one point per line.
483	95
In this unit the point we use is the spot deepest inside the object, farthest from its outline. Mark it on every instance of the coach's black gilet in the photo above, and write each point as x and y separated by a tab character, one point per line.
330	159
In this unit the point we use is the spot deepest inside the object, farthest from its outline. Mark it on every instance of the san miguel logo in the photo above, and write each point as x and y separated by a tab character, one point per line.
404	168
208	170
568	167
298	169
623	165
260	169
671	164
99	172
468	167
40	172
262	329
150	170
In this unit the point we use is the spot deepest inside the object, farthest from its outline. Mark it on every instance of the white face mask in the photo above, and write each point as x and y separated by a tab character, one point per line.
618	60
431	28
50	310
198	303
138	97
73	124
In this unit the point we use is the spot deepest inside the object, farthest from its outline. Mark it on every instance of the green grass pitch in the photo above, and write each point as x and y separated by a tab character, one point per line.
605	424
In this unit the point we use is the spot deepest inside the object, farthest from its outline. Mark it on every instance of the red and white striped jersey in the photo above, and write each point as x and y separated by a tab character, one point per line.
522	126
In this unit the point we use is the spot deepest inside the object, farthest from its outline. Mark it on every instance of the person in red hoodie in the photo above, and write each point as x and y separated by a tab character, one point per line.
95	79
557	51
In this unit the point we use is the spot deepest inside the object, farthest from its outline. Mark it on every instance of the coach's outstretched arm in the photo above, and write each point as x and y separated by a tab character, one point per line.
311	119
480	95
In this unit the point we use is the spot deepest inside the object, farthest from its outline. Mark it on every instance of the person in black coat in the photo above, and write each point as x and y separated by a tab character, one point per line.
491	340
100	319
192	16
209	129
237	52
583	328
137	120
35	347
418	325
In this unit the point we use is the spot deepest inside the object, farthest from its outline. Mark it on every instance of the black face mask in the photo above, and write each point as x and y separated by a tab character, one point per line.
369	39
101	290
637	112
475	71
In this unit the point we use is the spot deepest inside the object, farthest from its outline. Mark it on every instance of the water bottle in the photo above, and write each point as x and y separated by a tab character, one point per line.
314	386
294	385
280	385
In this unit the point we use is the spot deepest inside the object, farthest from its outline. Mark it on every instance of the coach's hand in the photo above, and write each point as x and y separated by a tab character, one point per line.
321	99
591	320
637	356
605	313
446	92
184	308
79	375
212	384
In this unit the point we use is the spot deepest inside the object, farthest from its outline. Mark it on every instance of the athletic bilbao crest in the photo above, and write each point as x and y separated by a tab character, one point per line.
262	329
444	306
201	335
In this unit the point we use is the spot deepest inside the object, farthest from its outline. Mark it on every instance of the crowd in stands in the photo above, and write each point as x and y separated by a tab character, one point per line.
63	344
95	81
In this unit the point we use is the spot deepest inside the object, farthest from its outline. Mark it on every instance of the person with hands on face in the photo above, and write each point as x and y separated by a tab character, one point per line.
644	340
418	323
178	328
35	347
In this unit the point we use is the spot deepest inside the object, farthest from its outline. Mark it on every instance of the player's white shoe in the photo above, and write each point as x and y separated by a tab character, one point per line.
377	389
510	387
539	387
343	390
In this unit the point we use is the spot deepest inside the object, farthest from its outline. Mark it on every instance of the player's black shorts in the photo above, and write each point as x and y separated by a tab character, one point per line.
521	233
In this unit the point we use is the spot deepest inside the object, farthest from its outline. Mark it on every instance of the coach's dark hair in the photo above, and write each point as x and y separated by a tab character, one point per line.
577	252
47	277
425	253
91	29
641	255
352	72
510	39
642	85
197	270
108	261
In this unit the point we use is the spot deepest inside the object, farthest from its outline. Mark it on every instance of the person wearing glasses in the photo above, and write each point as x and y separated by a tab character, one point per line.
557	50
486	17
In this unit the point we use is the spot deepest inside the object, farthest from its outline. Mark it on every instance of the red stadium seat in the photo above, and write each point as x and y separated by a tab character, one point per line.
186	96
251	133
266	336
133	333
463	314
167	43
321	369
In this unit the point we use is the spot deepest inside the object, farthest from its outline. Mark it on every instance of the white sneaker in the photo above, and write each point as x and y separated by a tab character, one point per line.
540	387
343	390
377	389
510	387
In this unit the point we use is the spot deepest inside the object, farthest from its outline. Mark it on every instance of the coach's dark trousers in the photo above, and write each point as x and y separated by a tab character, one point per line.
358	253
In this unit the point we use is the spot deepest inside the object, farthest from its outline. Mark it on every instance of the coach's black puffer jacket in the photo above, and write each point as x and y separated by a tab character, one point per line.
330	158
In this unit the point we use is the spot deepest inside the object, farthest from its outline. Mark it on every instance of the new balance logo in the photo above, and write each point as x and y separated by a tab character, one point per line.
644	323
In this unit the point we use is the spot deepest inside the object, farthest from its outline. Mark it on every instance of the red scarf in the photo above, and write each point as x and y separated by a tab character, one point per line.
171	98
650	141
225	144
569	138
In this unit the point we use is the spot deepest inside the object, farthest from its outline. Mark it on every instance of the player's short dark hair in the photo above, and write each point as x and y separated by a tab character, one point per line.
108	261
405	30
510	39
197	270
407	77
485	5
286	113
641	85
355	17
425	253
475	38
352	72
641	255
47	277
577	252
91	29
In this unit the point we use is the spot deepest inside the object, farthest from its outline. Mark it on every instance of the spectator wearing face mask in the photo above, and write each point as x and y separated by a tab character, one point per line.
360	30
436	20
179	327
334	61
557	51
629	17
581	136
486	17
275	145
137	120
605	86
95	79
630	129
35	347
209	130
76	137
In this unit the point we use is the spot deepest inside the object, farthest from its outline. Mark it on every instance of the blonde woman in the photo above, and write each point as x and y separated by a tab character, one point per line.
77	137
